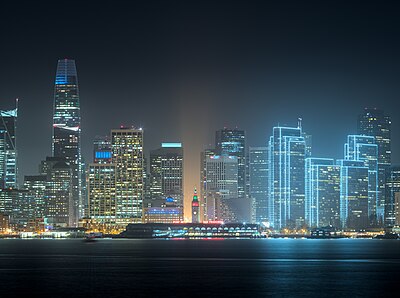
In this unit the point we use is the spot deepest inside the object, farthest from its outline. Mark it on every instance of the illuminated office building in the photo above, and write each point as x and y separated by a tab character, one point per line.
286	177
322	192
36	193
8	148
203	179
374	122
166	172
127	156
101	182
392	189
102	151
195	208
354	197
397	209
258	181
59	193
67	130
232	142
167	212
363	148
221	186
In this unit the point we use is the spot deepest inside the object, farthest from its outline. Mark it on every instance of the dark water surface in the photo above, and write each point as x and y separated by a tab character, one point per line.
200	268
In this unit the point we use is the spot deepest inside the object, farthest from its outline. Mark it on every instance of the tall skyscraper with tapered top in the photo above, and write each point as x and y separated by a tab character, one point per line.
67	130
8	148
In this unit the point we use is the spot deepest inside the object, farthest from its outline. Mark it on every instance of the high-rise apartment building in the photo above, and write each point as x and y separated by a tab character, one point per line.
258	181
8	148
127	156
166	172
67	130
232	142
322	192
374	122
286	177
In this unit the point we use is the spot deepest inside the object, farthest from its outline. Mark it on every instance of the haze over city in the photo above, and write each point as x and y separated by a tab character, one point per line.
183	70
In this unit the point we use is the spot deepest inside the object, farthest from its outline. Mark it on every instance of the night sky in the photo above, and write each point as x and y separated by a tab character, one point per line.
182	70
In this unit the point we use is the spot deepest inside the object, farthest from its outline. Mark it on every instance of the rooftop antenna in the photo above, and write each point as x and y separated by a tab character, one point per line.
299	123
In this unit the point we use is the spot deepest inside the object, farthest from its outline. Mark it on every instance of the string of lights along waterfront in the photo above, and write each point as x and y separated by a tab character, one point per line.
279	186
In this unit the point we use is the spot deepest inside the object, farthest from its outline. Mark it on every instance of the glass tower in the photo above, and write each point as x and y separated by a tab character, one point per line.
166	171
322	192
67	130
232	142
8	148
374	122
286	177
363	148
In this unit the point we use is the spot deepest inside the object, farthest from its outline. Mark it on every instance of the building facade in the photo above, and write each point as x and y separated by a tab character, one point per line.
322	192
392	188
127	156
8	148
374	122
166	172
258	181
286	177
232	142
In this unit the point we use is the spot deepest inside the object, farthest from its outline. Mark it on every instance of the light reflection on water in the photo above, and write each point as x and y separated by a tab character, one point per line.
259	267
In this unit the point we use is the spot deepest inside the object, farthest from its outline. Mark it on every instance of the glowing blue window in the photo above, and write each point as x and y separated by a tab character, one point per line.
103	154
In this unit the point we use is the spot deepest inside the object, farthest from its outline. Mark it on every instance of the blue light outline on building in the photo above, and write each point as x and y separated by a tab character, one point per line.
171	145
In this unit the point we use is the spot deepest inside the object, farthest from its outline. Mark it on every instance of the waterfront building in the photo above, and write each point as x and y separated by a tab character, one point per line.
354	187
167	212
8	148
392	189
258	181
59	210
67	130
232	142
195	208
166	172
101	182
4	223
363	148
397	208
322	192
286	177
127	156
374	122
36	193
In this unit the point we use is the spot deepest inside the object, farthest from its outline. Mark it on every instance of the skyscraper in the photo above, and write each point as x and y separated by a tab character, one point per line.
322	192
127	156
67	130
232	142
353	194
221	186
258	176
363	148
8	148
286	181
203	180
392	188
166	172
374	122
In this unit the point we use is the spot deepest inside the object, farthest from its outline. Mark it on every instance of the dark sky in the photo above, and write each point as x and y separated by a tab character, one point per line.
182	69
